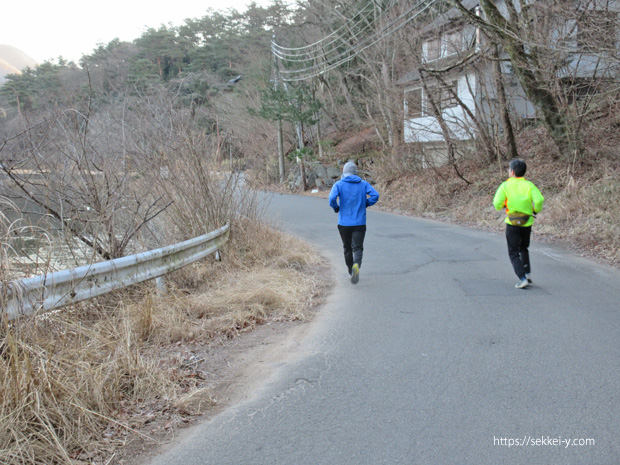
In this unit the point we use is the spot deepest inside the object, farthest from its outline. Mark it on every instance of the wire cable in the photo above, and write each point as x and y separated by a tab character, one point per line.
326	37
345	56
345	41
323	49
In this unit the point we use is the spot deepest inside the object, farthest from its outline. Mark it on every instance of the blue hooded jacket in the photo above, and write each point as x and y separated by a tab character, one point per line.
352	196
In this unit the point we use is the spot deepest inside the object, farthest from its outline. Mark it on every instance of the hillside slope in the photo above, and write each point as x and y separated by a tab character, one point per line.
13	60
581	195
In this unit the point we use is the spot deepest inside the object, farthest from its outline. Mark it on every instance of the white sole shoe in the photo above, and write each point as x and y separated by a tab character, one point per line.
523	284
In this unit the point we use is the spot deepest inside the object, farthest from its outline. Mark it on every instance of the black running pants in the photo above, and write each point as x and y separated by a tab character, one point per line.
353	243
518	239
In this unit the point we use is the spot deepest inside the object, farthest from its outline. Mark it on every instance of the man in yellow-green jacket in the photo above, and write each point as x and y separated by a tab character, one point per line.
522	200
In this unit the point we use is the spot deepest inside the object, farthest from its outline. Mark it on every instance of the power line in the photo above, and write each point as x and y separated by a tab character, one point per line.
325	49
317	43
323	64
319	47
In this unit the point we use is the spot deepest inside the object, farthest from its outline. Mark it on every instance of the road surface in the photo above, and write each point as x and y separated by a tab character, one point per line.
434	358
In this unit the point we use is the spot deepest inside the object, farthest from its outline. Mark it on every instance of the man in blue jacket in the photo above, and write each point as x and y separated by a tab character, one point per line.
349	198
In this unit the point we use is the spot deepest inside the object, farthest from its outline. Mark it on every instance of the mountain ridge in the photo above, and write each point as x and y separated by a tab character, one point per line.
13	60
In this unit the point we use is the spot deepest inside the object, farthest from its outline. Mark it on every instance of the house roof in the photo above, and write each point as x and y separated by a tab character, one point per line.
449	17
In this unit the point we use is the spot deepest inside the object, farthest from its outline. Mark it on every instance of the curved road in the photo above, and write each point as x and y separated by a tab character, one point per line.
434	358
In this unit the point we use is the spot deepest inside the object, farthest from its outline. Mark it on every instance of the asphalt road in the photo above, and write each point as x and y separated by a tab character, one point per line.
434	358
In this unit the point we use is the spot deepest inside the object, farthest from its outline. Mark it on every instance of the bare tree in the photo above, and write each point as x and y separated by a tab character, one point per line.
178	160
557	50
74	168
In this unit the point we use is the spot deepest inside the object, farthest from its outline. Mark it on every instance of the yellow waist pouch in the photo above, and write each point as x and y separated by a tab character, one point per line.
518	218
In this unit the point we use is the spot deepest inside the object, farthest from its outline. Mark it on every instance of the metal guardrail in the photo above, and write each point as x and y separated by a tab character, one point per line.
54	290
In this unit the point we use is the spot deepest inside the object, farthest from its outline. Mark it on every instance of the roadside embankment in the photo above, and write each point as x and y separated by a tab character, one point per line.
104	380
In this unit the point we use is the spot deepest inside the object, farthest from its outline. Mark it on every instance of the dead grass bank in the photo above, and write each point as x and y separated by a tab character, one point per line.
81	385
581	198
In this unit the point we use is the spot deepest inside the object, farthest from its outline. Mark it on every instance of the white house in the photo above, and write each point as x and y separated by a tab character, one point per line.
467	85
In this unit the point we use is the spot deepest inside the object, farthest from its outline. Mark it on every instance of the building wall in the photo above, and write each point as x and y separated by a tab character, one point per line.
426	128
600	63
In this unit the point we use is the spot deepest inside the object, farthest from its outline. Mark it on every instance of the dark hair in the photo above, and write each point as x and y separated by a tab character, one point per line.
518	166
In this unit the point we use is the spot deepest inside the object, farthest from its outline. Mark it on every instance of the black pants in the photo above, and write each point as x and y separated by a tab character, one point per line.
518	239
353	244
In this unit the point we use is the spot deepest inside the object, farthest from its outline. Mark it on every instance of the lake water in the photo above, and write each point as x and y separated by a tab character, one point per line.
35	242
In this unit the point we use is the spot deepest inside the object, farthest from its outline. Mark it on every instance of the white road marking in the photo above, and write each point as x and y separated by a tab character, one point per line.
550	255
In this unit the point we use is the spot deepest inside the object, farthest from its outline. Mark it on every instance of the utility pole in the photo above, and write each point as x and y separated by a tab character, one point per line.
318	123
280	138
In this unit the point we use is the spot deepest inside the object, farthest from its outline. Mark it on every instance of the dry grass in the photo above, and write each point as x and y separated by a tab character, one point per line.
79	385
68	387
272	276
585	213
581	196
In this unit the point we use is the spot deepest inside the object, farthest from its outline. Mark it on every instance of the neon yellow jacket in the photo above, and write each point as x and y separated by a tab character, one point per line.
519	195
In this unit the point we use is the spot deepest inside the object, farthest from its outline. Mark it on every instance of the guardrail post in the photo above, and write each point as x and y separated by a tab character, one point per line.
160	284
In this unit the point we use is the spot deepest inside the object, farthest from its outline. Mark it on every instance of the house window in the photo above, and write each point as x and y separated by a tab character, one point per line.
433	49
419	103
432	97
447	44
449	95
444	97
413	102
596	30
454	42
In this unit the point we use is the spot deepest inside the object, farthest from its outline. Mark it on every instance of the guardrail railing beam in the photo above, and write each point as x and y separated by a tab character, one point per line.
53	290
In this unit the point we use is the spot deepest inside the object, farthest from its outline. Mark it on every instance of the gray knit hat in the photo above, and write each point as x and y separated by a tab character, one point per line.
349	168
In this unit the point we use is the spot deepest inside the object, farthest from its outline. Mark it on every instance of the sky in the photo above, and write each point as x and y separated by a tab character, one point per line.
45	29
